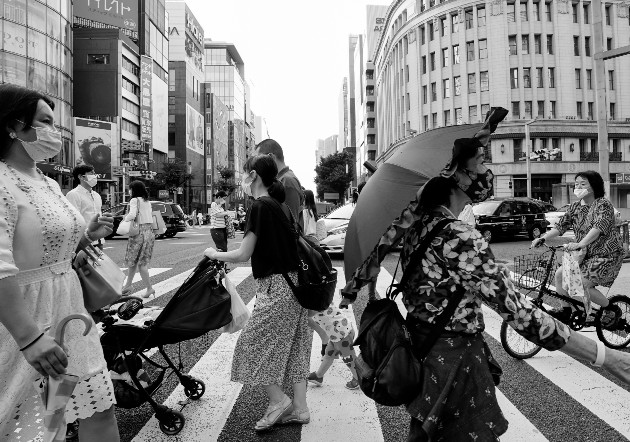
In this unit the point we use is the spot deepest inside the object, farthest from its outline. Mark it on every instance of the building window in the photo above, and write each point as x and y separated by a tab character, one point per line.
575	12
525	44
586	18
552	109
528	110
485	82
422	35
589	79
578	109
468	18
457	85
541	109
132	107
576	46
539	77
171	101
454	23
98	59
425	120
472	83
431	31
470	51
582	142
550	44
512	44
424	64
587	46
615	145
432	60
511	8
483	49
485	108
135	69
371	139
481	17
443	26
607	14
131	87
552	77
611	80
609	45
407	74
447	118
458	116
589	110
527	81
578	79
408	100
537	44
424	94
456	54
514	78
130	127
446	87
472	114
433	91
405	45
548	11
445	52
434	122
516	110
537	11
524	11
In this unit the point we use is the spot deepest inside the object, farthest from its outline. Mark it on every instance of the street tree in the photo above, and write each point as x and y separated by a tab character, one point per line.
225	181
174	174
334	174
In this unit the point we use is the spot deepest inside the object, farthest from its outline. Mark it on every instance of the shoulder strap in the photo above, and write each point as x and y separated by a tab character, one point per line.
288	222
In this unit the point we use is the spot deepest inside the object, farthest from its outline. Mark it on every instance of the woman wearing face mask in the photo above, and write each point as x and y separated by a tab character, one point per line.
274	347
592	219
41	231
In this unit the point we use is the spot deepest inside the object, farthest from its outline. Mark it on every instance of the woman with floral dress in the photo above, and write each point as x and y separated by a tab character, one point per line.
40	231
592	219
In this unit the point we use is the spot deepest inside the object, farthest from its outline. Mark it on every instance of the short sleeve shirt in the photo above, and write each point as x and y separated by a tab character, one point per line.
276	247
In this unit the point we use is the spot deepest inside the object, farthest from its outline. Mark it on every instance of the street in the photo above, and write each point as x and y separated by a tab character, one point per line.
549	397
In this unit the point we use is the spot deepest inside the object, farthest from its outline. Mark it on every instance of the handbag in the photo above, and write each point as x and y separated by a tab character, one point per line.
390	365
240	312
101	278
316	277
129	228
158	226
229	227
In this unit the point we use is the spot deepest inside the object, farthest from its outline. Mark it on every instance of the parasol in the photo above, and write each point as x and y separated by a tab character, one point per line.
396	182
55	393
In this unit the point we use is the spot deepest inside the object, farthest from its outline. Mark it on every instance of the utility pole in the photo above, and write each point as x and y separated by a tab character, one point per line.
600	96
528	160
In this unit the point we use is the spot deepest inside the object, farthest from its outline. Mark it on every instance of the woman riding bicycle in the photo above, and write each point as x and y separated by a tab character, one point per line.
592	219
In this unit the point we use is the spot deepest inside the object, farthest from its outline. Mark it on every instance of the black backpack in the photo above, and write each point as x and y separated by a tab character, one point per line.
317	279
390	364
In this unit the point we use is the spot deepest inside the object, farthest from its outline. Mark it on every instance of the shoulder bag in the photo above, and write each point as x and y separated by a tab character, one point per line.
130	228
101	278
316	277
390	364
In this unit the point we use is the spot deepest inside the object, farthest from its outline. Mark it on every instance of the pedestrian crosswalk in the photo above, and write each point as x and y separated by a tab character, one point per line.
337	411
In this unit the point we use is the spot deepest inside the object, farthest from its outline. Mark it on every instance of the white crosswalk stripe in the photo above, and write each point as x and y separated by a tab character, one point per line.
152	272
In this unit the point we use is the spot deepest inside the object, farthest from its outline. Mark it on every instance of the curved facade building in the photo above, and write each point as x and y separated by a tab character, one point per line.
36	52
440	64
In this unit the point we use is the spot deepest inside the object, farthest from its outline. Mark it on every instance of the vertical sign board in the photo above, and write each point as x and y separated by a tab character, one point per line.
146	117
96	145
122	14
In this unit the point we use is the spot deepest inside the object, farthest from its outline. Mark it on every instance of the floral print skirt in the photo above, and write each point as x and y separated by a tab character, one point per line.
602	270
458	401
140	247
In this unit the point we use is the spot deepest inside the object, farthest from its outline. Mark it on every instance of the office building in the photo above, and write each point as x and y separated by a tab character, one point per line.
441	64
325	147
261	130
186	126
37	53
342	112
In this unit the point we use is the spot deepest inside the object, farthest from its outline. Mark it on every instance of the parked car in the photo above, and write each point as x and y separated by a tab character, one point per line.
172	214
341	215
510	217
334	242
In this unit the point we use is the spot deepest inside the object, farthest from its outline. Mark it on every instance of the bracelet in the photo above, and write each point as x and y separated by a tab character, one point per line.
32	342
87	236
601	355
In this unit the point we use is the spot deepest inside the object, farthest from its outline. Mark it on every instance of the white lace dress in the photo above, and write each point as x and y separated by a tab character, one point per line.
39	231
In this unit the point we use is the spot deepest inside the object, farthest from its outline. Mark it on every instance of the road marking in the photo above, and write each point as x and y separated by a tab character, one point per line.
164	287
206	417
190	243
335	410
152	272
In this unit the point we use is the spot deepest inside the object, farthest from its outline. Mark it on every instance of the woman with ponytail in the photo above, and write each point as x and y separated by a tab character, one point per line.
274	347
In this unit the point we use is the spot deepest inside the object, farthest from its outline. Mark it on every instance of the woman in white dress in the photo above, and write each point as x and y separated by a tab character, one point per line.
39	233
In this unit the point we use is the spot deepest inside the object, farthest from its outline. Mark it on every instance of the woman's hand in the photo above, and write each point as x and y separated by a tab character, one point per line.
573	246
47	357
537	242
100	226
210	253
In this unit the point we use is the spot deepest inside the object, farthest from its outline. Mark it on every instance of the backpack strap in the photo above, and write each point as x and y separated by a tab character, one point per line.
289	222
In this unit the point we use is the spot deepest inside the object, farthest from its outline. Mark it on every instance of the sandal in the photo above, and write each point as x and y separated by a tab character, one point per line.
301	417
273	413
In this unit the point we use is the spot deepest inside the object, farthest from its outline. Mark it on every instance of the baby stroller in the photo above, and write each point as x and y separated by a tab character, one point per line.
201	304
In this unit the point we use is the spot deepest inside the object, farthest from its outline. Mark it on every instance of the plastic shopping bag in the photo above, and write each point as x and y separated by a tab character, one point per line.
240	312
572	278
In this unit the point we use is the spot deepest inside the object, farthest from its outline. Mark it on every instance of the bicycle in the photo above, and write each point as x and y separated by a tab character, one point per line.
534	272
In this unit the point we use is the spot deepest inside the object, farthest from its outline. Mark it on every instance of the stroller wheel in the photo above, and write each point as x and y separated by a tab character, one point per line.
171	422
195	389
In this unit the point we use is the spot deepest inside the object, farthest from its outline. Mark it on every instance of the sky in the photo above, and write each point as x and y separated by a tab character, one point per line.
295	55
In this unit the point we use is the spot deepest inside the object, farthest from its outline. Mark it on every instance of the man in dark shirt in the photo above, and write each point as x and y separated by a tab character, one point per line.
292	187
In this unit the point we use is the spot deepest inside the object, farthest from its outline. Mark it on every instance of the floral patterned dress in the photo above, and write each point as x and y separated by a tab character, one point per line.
604	256
458	401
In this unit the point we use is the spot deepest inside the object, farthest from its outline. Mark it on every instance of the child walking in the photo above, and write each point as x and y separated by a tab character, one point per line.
338	327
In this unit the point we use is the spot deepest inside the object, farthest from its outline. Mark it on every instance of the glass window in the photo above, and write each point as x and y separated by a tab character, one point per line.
528	110
524	15
98	59
574	7
53	82
66	86
422	35
424	94
527	82
443	26
481	16
516	110
578	79
483	49
36	45
589	79
445	60
611	115
537	11
586	17
13	68
454	23
607	14
578	109
434	120
472	114
447	118
15	10
537	44
548	11
36	75
470	50
576	45
539	78
14	38
485	82
446	87
485	108
468	18
456	54
525	43
53	52
36	15
514	78
552	78
55	4
511	12
611	80
54	24
550	44
457	85
472	83
433	91
587	46
424	64
512	44
552	105
432	58
65	32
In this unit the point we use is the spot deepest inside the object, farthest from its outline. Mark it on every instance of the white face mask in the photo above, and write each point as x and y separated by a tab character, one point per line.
47	144
91	180
467	215
580	193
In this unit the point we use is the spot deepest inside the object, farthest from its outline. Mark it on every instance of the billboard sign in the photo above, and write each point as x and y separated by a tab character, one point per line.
159	111
146	117
96	145
122	14
194	130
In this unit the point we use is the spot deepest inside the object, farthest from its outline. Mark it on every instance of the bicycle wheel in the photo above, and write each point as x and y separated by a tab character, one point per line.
530	279
617	335
515	345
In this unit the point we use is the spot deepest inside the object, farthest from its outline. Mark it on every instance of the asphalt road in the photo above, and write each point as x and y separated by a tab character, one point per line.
550	397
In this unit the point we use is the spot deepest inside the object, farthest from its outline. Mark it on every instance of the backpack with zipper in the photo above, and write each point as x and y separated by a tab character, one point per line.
390	364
